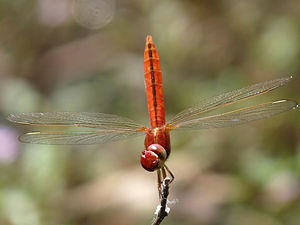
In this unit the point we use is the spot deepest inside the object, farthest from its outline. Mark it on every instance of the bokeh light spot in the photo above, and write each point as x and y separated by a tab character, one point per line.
9	148
93	14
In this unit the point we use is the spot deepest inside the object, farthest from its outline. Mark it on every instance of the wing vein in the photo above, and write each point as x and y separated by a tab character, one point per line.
240	116
232	97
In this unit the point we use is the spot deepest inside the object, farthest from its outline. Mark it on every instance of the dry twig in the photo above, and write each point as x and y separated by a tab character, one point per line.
163	208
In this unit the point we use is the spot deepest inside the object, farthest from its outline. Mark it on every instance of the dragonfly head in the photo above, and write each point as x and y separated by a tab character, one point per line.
153	157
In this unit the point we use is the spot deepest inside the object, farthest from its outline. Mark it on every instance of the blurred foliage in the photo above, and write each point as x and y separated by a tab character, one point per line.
49	62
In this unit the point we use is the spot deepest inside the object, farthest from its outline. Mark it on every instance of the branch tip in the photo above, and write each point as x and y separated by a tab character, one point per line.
163	210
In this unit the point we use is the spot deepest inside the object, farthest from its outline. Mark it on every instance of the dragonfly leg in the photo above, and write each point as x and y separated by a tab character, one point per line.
164	175
170	173
163	171
159	182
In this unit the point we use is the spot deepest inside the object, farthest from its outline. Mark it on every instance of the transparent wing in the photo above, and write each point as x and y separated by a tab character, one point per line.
107	127
76	137
75	119
240	116
212	103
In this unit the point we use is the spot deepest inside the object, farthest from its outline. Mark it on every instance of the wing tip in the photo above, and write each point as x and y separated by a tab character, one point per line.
27	138
289	78
293	103
285	80
15	118
11	118
296	105
22	138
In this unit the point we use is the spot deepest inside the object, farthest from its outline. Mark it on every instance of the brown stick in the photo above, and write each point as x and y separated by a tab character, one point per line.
163	202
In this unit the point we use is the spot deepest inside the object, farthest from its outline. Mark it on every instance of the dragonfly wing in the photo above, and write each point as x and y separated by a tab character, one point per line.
212	103
107	127
241	116
75	119
76	137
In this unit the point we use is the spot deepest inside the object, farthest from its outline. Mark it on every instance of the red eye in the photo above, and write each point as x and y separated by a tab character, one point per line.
159	150
149	160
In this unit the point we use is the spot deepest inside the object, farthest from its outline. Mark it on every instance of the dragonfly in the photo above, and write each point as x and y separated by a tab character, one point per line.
99	128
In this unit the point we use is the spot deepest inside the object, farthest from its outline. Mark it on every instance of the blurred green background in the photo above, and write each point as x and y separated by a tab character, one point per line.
87	55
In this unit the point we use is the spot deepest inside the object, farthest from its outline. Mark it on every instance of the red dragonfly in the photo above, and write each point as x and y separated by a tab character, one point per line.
99	128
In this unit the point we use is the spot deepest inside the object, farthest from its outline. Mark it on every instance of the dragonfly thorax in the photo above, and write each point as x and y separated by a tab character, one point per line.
153	157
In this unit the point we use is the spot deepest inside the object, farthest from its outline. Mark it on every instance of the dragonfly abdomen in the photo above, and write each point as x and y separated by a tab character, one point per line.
153	82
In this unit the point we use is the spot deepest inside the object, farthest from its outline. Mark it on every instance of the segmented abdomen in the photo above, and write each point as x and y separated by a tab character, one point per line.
153	82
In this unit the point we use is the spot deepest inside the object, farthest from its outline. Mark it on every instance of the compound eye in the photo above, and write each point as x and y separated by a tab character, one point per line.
149	160
159	150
